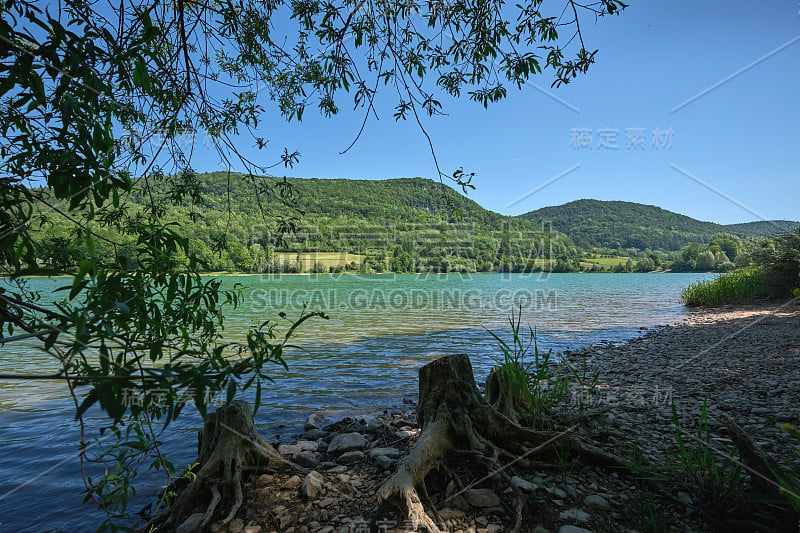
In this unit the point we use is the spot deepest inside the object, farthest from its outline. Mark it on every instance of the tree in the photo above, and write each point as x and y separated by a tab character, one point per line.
705	261
103	102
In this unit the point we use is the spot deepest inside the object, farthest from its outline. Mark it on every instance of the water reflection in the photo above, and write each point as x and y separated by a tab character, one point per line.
381	331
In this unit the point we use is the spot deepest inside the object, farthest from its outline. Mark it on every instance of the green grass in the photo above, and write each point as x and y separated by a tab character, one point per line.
540	392
739	286
714	480
607	261
327	259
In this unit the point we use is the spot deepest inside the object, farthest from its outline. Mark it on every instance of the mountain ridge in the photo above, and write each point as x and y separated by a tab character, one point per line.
622	224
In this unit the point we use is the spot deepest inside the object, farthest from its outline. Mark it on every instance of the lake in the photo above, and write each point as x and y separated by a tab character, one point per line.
365	358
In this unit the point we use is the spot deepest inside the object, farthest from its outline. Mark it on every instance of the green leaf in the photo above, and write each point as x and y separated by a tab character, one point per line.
140	74
257	402
78	282
87	402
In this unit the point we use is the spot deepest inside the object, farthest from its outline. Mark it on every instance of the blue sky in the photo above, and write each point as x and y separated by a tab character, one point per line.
729	154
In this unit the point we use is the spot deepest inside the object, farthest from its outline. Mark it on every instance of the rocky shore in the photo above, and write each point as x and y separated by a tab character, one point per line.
743	363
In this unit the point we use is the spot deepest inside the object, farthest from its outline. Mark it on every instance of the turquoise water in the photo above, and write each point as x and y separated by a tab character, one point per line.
365	358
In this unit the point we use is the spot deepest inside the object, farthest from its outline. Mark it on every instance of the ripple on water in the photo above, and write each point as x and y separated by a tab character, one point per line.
360	361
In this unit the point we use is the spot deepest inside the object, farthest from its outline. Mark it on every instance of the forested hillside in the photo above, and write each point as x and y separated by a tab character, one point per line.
595	223
271	224
401	225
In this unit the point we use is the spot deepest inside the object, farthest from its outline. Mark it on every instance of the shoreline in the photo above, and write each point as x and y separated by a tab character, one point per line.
743	361
356	274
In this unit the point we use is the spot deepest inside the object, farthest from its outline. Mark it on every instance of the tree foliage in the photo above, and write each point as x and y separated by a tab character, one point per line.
623	225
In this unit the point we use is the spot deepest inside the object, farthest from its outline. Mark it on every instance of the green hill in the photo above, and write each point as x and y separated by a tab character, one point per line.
400	225
769	228
615	224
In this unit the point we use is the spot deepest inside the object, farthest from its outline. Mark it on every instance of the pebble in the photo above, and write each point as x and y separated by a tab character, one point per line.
407	433
315	421
482	498
289	449
596	500
450	514
576	515
347	442
306	459
312	487
392	453
312	434
308	445
292	483
573	529
350	457
522	484
264	479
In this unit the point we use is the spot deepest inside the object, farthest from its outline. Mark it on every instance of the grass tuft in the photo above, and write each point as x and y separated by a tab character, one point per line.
740	286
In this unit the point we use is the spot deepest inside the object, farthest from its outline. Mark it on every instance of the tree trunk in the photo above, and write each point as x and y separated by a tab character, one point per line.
229	447
461	429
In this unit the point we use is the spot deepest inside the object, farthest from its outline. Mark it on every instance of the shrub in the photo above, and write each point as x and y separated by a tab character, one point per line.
739	286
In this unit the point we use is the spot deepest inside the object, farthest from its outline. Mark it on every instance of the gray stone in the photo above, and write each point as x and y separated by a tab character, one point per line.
315	421
264	479
559	493
449	513
312	434
312	487
482	498
308	445
327	502
385	462
522	484
684	498
191	524
289	449
350	457
306	459
573	529
347	442
575	515
459	503
596	500
293	482
392	453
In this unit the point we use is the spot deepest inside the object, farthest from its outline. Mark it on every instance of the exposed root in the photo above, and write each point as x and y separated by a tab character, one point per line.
459	427
229	445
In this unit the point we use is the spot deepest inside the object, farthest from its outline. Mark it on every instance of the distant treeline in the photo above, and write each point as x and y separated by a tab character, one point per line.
242	224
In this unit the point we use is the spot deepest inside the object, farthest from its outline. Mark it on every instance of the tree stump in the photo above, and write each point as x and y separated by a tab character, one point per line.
507	390
460	429
228	447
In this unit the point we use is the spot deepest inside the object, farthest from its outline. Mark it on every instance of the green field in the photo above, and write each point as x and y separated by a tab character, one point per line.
607	261
327	259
